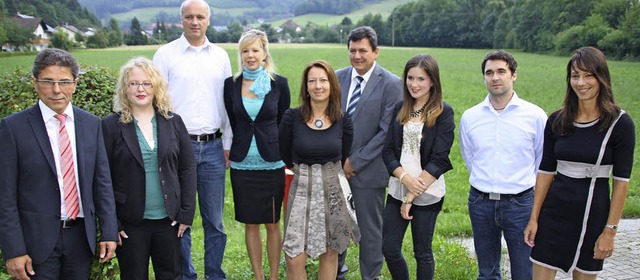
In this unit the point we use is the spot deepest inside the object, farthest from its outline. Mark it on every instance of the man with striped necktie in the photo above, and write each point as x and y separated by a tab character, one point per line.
369	93
54	180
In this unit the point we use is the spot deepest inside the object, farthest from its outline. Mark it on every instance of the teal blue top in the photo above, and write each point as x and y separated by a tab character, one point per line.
253	160
154	203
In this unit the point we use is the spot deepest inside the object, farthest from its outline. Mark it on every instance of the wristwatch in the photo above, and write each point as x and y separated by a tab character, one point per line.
613	227
405	200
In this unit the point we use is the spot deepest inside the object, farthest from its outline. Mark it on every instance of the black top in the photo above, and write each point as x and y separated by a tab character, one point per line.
583	145
301	144
435	144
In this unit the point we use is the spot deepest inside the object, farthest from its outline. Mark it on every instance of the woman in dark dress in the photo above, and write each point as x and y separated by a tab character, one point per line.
153	173
417	156
574	221
255	99
315	139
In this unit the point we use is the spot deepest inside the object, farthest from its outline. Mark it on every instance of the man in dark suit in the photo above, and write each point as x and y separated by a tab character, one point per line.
52	195
369	94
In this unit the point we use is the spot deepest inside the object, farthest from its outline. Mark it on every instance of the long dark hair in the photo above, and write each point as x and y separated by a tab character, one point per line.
333	108
588	59
434	105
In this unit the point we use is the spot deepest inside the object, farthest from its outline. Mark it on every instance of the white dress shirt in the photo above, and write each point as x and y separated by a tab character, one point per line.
502	150
53	127
195	76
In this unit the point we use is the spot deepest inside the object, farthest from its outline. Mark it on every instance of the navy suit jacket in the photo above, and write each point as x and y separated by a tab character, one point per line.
265	126
30	194
435	143
371	120
176	166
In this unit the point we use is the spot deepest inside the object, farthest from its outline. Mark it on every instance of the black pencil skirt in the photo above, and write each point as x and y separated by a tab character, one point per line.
257	195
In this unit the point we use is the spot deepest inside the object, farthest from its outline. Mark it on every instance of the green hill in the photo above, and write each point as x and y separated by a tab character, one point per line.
149	15
383	8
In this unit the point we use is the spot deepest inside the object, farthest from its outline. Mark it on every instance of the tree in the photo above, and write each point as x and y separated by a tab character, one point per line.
61	41
17	36
99	40
612	10
3	31
270	31
115	34
136	37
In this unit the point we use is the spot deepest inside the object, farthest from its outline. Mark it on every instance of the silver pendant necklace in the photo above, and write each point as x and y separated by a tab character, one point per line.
318	123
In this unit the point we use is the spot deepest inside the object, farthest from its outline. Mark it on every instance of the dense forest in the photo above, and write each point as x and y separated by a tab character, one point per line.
55	12
558	26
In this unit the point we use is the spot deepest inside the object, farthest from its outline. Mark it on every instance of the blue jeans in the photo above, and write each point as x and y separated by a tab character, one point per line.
422	228
211	167
489	220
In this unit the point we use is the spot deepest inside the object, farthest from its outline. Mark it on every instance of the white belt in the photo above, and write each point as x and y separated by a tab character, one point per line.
580	170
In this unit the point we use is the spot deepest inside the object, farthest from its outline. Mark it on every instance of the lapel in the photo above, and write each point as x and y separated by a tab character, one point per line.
238	105
82	128
40	132
345	83
164	137
367	91
131	140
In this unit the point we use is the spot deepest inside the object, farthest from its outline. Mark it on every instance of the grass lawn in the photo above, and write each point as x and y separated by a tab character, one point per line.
541	80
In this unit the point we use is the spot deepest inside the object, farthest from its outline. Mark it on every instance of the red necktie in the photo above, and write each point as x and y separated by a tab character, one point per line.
68	171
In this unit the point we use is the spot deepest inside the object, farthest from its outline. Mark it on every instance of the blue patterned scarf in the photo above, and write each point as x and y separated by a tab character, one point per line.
262	82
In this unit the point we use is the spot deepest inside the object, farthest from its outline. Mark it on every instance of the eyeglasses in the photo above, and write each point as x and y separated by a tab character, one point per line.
63	84
135	85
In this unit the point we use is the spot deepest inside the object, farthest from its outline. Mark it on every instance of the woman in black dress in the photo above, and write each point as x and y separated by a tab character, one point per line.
315	139
255	99
574	221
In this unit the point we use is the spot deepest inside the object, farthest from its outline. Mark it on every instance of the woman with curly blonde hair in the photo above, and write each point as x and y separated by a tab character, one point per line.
153	173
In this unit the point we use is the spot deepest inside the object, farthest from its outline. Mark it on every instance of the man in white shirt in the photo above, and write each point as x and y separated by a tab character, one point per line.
501	141
195	70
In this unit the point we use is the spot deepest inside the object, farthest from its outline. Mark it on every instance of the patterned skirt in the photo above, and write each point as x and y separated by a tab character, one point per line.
317	217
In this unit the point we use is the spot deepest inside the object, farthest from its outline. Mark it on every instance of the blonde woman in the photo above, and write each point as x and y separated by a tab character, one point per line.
255	99
153	173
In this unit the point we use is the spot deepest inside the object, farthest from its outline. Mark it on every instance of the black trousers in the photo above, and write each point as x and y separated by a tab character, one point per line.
155	239
70	258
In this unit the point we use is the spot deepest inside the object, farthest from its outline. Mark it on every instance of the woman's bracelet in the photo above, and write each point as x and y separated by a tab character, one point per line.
402	176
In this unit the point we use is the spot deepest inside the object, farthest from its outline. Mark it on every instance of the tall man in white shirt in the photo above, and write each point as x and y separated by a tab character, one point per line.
501	141
195	70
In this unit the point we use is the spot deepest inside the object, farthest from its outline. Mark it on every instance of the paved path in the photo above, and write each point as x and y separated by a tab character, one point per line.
623	265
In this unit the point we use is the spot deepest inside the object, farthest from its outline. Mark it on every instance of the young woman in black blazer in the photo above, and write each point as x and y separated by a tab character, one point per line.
255	99
153	173
417	155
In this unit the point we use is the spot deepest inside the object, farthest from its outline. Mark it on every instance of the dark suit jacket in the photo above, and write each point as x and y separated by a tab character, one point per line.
175	163
30	194
265	126
371	120
435	144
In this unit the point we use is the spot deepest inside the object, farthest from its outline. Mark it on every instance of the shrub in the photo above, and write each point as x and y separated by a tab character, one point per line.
94	94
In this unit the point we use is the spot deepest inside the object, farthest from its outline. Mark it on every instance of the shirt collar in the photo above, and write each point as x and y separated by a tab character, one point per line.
184	45
366	76
48	114
515	101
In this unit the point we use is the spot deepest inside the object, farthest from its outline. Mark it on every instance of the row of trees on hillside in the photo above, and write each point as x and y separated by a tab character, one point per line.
55	12
558	26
